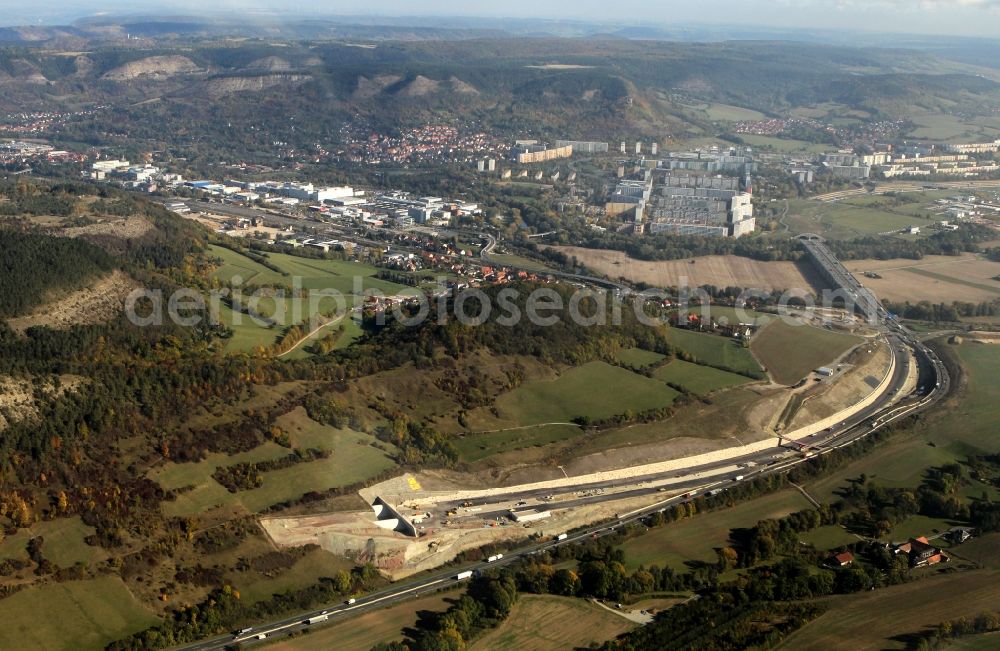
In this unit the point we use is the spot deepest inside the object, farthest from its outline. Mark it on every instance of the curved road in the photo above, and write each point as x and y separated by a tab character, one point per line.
934	383
934	379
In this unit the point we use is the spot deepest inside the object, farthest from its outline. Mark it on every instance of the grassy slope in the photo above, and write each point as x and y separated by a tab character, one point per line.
969	428
348	278
365	631
790	352
638	358
713	349
64	542
480	446
871	620
314	565
698	379
353	459
582	391
694	539
76	615
543	622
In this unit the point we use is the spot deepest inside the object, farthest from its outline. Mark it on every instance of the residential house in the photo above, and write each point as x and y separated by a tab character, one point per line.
921	552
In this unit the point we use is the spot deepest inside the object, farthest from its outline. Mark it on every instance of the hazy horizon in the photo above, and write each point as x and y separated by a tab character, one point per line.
927	17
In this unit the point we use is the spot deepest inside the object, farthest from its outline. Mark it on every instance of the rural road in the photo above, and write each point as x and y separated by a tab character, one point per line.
308	336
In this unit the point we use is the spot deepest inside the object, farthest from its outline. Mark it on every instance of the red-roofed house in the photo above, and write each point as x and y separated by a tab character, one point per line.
921	552
843	559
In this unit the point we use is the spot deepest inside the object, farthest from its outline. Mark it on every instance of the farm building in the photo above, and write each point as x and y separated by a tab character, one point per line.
921	552
843	559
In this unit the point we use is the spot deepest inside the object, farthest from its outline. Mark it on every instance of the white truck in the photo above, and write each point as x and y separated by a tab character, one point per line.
316	619
562	536
494	558
463	575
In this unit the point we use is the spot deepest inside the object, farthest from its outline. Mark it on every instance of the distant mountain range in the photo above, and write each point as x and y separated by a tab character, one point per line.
67	24
573	87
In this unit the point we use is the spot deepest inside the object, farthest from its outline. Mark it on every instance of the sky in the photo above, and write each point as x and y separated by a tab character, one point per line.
964	17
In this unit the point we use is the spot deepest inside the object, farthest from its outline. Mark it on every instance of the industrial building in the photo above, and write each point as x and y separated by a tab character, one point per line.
529	516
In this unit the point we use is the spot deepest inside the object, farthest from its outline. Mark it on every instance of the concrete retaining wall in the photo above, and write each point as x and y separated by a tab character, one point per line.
633	472
844	414
389	518
607	475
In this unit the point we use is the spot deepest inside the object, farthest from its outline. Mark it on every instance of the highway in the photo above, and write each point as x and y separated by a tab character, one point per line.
491	244
907	186
933	385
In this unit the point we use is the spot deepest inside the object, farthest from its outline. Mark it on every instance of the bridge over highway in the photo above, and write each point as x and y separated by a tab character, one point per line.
860	298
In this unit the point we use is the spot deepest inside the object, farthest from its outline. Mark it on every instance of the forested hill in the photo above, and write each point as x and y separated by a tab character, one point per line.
59	237
33	267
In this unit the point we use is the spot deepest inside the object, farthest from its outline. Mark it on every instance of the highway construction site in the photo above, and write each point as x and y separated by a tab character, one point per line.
411	528
419	522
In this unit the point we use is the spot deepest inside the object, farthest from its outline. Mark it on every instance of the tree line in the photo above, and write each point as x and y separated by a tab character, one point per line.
34	266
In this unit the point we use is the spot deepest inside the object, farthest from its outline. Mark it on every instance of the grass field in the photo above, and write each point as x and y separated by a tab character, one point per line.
550	623
698	379
982	550
790	352
854	217
64	542
344	276
695	539
365	631
827	537
783	144
718	270
985	642
714	350
353	459
307	571
919	525
206	492
480	446
934	278
519	261
872	620
239	266
727	315
582	392
942	127
727	113
349	279
74	616
970	428
723	419
638	358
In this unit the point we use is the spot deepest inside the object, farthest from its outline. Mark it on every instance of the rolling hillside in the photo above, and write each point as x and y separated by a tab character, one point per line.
575	87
